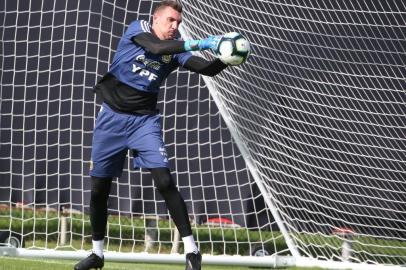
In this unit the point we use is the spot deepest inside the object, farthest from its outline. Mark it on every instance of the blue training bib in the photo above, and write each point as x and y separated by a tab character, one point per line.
139	69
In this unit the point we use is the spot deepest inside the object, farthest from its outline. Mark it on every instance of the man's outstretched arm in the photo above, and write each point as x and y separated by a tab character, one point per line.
204	67
194	63
157	46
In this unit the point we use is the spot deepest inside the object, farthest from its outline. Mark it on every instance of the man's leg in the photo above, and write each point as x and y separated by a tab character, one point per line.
149	152
99	194
108	154
177	208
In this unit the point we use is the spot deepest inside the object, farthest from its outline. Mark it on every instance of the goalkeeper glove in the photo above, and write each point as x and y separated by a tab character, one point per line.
212	42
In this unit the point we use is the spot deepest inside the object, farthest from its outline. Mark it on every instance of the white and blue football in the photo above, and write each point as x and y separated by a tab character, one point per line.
233	49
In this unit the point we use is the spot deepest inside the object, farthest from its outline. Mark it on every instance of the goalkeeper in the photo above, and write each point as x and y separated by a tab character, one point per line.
128	119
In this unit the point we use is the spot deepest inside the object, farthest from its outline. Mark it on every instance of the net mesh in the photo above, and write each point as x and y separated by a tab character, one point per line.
52	54
320	106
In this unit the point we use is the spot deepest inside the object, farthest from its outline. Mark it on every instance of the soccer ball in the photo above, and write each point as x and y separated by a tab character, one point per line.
233	49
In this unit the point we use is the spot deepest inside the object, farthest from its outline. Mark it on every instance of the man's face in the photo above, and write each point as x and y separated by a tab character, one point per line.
166	22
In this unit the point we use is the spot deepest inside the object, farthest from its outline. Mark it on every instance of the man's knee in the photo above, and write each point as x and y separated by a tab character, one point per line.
163	179
100	188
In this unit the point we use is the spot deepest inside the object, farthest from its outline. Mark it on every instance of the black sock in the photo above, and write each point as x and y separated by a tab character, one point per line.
174	201
98	206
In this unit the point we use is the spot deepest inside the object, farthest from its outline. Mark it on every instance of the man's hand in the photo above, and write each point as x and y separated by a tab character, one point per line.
212	42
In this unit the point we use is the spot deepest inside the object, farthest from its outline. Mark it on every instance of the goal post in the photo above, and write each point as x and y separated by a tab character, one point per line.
297	156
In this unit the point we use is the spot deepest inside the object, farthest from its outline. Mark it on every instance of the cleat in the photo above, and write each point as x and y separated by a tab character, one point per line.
193	261
90	262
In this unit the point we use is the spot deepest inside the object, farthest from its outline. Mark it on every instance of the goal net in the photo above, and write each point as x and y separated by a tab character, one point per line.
319	110
300	151
52	54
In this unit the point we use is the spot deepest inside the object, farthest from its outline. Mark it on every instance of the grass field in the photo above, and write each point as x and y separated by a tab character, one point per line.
127	234
8	263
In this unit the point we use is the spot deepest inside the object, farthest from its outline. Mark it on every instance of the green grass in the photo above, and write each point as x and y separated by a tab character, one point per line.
126	234
8	263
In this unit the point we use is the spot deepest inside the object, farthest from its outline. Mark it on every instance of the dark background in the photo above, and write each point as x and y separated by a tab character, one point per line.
320	107
53	52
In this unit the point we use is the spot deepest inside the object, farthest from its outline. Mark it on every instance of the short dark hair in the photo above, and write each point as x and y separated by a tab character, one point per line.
168	3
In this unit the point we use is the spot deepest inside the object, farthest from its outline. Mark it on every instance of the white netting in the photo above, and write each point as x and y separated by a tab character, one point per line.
52	54
318	110
320	106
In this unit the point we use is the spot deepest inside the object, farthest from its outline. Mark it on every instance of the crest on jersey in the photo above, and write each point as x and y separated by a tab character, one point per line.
162	150
166	58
